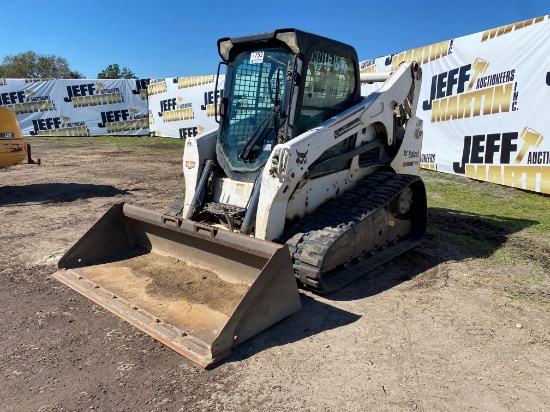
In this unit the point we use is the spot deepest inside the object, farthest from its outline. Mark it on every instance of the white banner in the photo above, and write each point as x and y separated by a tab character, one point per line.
484	103
183	106
82	107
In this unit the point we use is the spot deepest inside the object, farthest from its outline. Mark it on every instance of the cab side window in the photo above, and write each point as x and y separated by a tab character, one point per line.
329	86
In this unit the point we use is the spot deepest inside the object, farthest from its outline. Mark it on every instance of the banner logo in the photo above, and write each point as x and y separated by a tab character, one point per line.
367	66
58	126
156	86
185	82
141	88
479	153
209	103
465	92
25	101
173	110
123	120
39	80
186	132
92	94
422	55
427	161
502	30
532	139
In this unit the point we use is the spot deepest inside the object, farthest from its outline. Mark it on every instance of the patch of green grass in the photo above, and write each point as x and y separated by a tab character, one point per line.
489	199
508	256
532	286
503	232
123	142
463	241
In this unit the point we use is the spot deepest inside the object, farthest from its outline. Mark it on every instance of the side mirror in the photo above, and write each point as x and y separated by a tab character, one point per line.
222	109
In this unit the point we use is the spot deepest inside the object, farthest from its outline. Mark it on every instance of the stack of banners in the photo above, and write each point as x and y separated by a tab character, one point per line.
83	107
484	104
183	106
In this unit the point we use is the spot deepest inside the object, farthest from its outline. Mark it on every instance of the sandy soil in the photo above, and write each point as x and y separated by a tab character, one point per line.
166	278
421	333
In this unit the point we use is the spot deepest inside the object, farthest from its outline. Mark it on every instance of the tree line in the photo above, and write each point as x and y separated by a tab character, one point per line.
31	65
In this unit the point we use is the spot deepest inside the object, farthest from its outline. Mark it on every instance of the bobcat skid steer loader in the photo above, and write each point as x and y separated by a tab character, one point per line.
305	182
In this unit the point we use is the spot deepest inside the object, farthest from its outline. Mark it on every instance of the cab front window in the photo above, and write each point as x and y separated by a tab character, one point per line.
255	91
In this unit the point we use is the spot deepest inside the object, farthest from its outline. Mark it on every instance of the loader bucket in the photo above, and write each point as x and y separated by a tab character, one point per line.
199	290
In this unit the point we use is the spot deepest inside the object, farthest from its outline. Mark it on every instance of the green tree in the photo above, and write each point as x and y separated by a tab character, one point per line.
113	71
36	66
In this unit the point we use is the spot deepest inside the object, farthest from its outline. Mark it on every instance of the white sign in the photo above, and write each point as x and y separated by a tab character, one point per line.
484	102
256	57
83	107
184	107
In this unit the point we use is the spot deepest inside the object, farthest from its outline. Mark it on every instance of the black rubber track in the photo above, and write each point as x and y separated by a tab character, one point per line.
310	240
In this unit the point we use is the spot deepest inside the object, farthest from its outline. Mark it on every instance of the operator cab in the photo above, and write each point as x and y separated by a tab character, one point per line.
279	85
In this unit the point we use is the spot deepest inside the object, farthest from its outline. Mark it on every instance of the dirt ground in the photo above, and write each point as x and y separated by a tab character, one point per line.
418	334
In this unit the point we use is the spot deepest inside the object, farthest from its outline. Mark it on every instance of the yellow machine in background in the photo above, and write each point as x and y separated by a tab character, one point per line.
13	148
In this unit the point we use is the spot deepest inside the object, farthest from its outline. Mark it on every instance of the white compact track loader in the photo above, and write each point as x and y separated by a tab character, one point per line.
305	182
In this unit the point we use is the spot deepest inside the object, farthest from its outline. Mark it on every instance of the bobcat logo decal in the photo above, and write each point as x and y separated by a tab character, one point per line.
301	158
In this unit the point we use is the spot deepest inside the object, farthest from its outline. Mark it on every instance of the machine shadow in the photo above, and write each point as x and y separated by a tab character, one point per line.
452	236
54	193
314	317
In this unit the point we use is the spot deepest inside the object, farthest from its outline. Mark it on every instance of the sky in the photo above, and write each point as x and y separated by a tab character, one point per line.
179	38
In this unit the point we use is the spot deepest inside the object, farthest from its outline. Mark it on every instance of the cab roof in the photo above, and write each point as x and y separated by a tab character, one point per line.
301	42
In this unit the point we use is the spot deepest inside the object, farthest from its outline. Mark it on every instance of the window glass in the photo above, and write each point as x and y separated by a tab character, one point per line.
253	93
330	80
329	84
